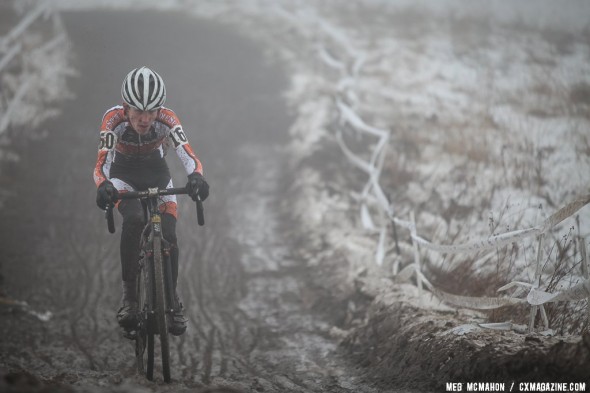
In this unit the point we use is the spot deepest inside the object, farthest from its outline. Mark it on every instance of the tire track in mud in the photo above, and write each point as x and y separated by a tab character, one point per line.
243	286
263	332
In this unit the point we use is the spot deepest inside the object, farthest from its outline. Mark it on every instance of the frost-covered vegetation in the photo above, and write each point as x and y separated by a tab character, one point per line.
489	111
35	62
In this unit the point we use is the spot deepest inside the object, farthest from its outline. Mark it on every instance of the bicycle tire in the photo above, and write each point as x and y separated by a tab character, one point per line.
145	335
140	338
150	357
161	314
150	323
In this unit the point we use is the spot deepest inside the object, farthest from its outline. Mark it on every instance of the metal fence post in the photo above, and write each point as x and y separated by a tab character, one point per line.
585	272
537	283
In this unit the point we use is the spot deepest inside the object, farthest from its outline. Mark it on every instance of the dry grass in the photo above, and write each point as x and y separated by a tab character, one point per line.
579	96
564	264
459	143
583	147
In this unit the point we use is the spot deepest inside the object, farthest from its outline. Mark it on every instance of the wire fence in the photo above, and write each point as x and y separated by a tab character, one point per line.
349	66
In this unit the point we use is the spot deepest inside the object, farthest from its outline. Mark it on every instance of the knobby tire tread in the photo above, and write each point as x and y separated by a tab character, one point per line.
161	314
145	337
140	340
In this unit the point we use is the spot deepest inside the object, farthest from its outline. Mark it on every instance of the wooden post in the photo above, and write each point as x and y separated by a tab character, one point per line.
544	317
532	318
397	250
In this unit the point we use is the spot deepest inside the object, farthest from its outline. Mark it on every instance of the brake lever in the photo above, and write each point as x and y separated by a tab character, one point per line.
109	216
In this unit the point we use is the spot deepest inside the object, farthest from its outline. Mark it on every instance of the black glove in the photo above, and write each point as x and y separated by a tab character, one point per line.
197	186
106	194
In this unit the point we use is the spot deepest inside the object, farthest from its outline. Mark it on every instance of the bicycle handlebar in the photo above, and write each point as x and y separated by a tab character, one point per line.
148	194
152	193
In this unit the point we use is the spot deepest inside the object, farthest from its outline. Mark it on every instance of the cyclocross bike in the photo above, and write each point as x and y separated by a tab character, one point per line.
155	292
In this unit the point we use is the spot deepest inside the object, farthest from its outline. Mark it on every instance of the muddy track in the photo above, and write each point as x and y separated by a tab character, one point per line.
247	292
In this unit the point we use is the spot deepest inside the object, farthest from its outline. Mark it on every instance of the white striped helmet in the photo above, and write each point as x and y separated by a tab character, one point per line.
144	96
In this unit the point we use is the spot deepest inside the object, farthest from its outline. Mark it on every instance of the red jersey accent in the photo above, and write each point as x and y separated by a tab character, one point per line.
169	208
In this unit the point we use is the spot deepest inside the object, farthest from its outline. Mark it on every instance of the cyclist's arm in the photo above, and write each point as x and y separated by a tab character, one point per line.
181	145
108	140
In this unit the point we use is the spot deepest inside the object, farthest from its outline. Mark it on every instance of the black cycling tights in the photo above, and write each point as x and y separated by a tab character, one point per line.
133	224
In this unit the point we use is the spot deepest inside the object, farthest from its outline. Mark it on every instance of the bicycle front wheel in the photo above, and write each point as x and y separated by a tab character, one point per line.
145	334
161	314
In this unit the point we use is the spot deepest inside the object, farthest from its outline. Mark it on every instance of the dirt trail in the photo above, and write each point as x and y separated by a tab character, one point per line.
261	319
248	294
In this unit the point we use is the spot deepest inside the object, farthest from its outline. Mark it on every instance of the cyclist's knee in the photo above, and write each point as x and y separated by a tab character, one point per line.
133	223
135	220
132	213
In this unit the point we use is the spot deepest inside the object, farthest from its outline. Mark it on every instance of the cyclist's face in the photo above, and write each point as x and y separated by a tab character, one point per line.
141	121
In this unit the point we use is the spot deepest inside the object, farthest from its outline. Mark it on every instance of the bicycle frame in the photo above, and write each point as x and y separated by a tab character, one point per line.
154	285
152	235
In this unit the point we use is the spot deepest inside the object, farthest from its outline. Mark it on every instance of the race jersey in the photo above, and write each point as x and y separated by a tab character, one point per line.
121	145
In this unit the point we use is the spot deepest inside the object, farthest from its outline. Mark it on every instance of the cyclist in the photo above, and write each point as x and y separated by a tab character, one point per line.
134	139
